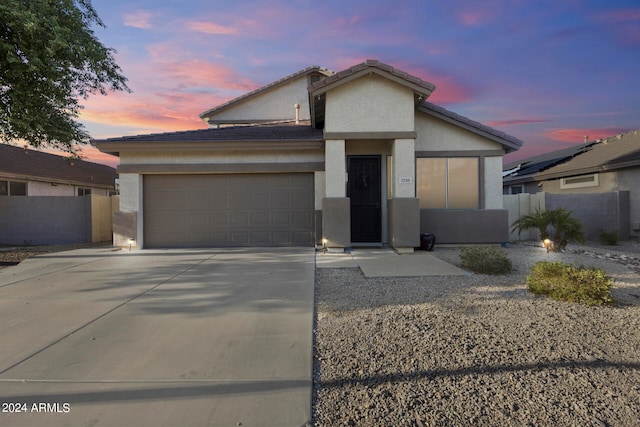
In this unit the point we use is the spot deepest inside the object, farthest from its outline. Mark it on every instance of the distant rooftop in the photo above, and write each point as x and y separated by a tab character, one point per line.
18	162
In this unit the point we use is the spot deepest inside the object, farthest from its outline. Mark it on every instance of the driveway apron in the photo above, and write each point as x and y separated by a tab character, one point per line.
209	337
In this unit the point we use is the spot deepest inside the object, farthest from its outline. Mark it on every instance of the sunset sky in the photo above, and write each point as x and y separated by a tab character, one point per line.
545	71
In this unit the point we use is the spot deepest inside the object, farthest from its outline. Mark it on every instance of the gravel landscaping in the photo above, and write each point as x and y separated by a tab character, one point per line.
477	349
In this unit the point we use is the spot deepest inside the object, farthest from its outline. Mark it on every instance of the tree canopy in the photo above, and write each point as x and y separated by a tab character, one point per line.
50	59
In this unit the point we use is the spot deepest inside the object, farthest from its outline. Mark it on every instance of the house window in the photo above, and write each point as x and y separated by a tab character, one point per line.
13	188
84	191
579	181
448	183
516	189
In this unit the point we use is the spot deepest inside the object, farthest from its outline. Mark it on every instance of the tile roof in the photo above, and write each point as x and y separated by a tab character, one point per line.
282	136
609	153
510	143
264	132
308	70
418	83
27	163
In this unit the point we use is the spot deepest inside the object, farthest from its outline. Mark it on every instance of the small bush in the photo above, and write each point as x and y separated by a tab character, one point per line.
485	260
565	282
609	237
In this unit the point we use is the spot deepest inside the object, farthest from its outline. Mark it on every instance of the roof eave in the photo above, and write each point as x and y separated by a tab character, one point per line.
119	147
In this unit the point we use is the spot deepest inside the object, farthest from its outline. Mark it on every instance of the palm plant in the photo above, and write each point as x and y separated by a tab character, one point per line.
565	227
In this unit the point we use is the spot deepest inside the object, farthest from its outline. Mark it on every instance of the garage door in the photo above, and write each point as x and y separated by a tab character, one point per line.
228	210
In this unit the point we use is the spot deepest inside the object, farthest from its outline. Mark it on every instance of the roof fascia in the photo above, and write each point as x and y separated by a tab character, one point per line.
117	147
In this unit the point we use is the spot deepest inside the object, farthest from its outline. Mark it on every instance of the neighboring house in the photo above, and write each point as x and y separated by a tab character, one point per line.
25	172
603	166
519	177
317	158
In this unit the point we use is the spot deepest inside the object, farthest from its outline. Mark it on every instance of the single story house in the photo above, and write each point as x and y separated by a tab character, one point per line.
603	166
354	158
25	172
519	177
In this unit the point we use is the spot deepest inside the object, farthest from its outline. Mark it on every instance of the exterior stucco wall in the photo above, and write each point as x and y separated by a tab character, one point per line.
369	104
466	225
493	183
275	104
437	135
607	181
335	168
37	188
404	169
130	192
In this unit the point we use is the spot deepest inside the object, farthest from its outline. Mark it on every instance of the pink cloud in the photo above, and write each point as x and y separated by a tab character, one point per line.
472	18
210	28
577	135
346	22
448	89
139	19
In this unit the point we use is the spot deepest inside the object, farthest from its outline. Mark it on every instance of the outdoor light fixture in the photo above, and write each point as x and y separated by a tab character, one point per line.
547	244
324	244
131	242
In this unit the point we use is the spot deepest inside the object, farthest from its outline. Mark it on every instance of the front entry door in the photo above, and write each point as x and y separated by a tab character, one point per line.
363	189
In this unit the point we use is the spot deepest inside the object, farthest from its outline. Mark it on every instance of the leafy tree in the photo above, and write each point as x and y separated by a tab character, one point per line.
565	227
49	59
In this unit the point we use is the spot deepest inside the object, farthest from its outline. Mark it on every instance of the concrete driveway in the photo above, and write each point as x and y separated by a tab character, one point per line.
97	337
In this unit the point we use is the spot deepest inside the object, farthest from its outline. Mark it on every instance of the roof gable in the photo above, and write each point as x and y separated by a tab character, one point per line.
279	108
510	143
421	88
24	163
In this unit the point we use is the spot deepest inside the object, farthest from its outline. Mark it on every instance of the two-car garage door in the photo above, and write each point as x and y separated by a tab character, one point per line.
228	210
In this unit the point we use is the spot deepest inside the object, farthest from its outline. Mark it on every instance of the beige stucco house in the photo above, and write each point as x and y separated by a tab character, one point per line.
26	172
319	158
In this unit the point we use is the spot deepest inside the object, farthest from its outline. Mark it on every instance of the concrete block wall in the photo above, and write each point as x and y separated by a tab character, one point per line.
45	220
608	211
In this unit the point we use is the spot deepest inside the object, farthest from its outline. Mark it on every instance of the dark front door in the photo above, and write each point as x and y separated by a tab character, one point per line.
363	188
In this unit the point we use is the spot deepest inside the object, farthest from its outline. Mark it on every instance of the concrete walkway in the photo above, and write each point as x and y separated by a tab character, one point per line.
388	263
95	337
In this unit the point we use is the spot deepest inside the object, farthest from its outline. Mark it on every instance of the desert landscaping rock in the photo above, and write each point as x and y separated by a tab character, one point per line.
476	349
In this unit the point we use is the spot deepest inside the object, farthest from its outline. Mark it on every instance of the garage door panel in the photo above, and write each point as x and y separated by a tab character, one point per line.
228	210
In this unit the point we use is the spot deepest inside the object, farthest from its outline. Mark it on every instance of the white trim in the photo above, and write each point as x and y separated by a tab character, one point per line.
580	181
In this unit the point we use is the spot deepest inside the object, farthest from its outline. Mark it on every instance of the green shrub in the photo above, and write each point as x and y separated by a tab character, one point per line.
567	228
609	237
565	282
485	260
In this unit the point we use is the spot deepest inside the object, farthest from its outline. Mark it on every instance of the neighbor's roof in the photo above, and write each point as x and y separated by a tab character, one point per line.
277	83
510	143
23	163
232	137
611	153
525	169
